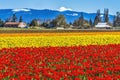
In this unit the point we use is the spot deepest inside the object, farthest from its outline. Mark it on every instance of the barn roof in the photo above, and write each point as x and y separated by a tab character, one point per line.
12	23
102	25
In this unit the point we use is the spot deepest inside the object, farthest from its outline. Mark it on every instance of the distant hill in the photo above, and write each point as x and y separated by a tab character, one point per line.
29	14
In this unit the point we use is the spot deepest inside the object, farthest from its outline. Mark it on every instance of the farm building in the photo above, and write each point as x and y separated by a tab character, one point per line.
15	24
60	28
103	26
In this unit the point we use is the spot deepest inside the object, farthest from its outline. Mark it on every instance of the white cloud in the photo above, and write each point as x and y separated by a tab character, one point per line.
74	14
64	9
17	10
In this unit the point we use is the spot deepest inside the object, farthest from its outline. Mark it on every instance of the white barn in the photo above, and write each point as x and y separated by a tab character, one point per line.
60	28
102	26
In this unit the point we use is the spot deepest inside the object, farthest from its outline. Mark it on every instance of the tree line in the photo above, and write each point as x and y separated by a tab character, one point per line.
60	21
13	18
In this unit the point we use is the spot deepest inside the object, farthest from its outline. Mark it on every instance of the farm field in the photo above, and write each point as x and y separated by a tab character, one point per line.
60	56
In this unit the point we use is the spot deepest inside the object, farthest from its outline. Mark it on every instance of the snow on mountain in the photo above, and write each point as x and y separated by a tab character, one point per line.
24	9
64	9
101	15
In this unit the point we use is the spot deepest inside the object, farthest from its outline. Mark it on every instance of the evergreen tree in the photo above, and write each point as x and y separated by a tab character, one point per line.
81	21
20	19
14	18
97	17
114	21
117	19
7	20
106	15
1	23
90	22
96	20
118	16
70	23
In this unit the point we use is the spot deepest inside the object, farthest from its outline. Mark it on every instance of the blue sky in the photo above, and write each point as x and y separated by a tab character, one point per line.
76	5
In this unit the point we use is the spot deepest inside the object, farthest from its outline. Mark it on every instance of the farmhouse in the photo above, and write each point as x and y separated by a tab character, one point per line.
102	26
15	24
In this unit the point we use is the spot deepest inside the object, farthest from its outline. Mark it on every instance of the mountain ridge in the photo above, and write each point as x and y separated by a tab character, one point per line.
44	14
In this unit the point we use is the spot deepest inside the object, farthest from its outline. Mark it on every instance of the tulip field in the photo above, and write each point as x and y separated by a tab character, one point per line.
60	56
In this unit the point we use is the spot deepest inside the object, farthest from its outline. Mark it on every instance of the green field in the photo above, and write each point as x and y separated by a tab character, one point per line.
32	30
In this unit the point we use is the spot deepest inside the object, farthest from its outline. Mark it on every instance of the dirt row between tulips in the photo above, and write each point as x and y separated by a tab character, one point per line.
54	31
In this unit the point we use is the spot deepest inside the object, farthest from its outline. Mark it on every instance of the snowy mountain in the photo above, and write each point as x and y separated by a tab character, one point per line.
45	14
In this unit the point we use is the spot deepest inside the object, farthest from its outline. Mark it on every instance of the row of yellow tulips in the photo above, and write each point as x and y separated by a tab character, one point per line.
73	40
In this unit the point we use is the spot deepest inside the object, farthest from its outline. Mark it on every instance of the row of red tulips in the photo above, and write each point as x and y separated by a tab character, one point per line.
61	63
